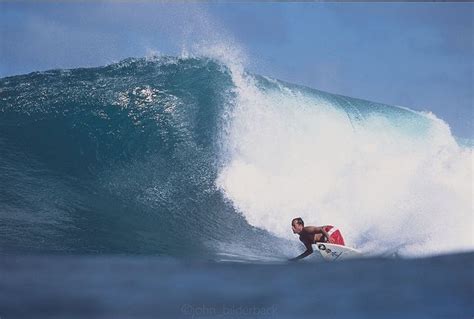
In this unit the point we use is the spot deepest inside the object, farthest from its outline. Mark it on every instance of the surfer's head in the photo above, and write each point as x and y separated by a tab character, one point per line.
297	224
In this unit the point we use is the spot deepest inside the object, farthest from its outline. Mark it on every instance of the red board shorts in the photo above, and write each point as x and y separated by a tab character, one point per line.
335	235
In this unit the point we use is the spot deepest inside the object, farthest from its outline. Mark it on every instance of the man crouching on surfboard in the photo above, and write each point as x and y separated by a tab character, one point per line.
312	234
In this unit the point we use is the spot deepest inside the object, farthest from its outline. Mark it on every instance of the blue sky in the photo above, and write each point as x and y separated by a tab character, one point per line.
418	55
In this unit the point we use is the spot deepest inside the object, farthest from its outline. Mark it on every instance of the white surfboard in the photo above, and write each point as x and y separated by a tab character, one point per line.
332	252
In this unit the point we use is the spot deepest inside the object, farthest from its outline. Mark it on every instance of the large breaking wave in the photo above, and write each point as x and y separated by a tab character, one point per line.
195	157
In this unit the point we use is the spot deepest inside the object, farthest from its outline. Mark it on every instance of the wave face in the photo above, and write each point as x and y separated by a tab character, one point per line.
194	157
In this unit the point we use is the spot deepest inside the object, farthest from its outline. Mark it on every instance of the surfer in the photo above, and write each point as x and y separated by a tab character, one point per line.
315	234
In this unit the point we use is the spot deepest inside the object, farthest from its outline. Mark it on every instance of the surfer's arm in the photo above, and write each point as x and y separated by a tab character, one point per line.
325	233
309	251
320	230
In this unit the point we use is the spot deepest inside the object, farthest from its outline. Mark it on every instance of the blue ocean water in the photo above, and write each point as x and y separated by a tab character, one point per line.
154	287
202	166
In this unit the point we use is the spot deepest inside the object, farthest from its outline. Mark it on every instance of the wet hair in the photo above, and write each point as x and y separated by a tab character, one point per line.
297	220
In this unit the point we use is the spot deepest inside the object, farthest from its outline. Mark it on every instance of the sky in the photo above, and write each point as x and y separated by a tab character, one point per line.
417	55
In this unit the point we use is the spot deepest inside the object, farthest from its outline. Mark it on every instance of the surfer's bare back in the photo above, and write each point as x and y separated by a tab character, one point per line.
314	234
